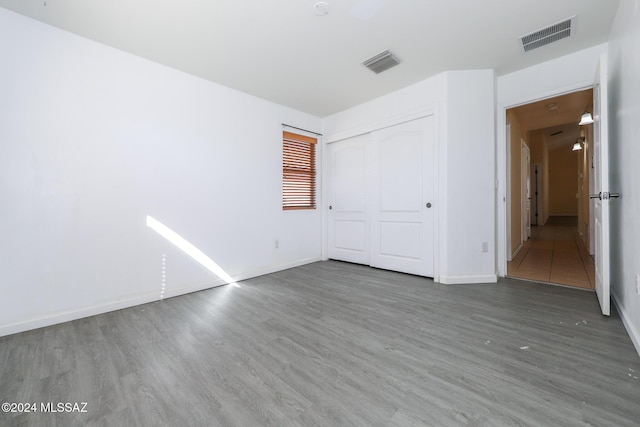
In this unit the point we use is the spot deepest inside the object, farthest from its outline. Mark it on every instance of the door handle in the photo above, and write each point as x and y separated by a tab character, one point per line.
428	205
604	195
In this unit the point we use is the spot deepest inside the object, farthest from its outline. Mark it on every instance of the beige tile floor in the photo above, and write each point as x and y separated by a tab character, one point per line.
554	254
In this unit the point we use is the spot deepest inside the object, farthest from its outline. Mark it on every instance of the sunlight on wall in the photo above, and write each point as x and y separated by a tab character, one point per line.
189	249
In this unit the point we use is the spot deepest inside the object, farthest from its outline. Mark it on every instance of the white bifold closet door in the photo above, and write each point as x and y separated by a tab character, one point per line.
381	193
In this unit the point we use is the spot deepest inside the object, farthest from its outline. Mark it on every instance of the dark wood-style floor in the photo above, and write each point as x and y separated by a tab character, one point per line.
334	344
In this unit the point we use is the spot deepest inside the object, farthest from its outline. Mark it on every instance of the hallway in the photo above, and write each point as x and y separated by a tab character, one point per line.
555	254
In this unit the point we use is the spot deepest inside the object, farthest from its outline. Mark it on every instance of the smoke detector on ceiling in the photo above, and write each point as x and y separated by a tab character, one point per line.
381	62
551	34
321	8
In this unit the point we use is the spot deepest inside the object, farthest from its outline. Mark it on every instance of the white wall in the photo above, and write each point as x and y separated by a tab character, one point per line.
562	75
624	153
468	186
92	140
427	96
465	167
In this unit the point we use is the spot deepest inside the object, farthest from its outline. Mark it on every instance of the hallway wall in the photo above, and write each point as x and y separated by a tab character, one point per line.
563	182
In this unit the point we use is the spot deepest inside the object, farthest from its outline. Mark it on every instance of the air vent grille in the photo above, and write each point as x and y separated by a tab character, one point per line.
381	62
550	34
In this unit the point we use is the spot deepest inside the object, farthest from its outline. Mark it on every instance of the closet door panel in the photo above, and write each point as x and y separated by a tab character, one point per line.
402	217
348	238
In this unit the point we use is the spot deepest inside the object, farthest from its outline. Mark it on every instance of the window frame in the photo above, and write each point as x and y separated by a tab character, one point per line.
299	172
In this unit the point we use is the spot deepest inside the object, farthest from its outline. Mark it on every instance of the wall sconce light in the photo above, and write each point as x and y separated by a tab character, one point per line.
586	118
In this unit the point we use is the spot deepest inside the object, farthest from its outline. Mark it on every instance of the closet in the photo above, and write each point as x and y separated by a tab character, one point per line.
381	198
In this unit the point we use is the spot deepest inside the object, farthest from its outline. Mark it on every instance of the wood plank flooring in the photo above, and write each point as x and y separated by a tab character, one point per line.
334	344
555	254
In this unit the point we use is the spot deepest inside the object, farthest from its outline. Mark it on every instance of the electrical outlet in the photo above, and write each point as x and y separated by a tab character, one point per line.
277	244
485	246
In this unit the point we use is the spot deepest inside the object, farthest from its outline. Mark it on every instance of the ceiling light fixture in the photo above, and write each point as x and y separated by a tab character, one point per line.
586	118
580	141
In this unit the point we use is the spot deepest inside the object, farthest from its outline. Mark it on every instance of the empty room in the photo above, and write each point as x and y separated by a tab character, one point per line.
301	212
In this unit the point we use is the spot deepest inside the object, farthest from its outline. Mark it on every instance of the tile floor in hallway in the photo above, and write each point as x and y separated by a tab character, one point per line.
555	254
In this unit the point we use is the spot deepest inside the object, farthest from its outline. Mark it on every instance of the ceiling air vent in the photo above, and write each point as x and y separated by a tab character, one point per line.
381	62
550	34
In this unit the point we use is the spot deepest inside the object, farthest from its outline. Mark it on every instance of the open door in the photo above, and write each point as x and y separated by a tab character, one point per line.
601	193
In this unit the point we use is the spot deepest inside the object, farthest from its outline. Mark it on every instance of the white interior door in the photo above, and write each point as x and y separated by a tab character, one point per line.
536	193
526	191
402	214
601	185
348	238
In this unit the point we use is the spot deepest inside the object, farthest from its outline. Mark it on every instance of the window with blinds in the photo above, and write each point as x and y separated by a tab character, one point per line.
298	171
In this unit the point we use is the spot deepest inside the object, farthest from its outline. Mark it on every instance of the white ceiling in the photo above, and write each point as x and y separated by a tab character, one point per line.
281	51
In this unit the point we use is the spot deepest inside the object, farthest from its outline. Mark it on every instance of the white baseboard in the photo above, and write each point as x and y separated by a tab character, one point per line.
515	253
464	280
634	334
133	300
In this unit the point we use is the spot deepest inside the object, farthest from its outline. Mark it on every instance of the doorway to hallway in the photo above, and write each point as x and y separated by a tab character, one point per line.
557	249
